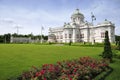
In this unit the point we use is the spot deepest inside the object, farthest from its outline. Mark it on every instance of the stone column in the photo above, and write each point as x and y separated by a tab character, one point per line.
11	39
74	35
88	33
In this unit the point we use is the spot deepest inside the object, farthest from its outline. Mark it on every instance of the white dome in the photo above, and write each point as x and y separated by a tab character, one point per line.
77	14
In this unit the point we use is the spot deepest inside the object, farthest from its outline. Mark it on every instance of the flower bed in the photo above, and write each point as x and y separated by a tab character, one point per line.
84	68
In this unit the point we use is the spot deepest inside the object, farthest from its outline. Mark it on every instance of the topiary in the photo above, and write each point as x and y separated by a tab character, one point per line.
107	53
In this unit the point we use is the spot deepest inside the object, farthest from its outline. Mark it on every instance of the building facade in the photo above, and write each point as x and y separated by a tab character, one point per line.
79	30
20	40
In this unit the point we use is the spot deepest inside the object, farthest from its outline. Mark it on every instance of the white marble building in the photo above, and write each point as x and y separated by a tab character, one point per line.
80	31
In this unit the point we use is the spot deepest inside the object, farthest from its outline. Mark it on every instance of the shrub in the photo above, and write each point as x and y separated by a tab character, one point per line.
70	43
119	45
107	53
84	68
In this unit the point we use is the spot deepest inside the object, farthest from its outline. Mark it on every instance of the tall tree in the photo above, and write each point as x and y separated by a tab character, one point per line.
1	38
119	45
7	38
107	53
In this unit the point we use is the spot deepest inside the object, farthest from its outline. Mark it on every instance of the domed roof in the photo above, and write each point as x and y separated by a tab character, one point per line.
106	22
77	14
67	25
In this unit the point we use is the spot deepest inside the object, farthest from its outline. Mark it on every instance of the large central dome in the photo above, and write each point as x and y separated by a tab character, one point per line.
77	14
77	17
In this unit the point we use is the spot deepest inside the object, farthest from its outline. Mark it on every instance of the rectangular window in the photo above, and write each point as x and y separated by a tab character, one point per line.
70	36
102	35
61	37
65	35
77	35
81	35
57	37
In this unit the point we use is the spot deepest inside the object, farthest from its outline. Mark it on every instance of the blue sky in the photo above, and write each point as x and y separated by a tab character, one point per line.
30	15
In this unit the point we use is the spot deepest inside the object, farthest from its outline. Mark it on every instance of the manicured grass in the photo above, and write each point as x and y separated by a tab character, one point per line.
16	58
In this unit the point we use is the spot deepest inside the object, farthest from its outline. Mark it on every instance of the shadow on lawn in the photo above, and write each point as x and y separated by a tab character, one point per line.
102	77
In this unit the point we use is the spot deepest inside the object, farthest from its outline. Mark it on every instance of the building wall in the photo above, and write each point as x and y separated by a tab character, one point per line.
81	31
64	36
86	36
20	40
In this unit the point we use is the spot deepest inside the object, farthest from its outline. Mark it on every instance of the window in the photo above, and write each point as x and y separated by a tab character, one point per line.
61	37
57	37
70	36
81	35
102	35
65	35
77	35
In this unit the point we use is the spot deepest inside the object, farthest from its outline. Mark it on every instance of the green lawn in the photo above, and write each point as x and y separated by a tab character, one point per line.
16	58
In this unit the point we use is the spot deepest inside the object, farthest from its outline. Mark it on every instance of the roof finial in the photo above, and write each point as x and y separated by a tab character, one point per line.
106	20
77	10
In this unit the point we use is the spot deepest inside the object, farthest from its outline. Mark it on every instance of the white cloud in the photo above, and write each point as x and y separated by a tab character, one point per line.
31	21
103	10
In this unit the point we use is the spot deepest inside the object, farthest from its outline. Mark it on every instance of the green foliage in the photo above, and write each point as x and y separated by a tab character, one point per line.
16	58
1	38
119	45
5	38
70	43
117	38
116	54
84	68
88	44
107	53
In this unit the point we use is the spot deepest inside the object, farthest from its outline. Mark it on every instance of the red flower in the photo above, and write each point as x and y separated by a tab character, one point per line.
45	79
70	78
38	74
42	72
75	70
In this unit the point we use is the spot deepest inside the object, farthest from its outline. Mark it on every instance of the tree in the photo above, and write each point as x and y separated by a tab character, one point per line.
7	38
119	45
45	37
107	53
15	35
1	38
117	38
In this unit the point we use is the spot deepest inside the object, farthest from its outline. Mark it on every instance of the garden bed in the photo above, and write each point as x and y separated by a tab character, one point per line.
84	68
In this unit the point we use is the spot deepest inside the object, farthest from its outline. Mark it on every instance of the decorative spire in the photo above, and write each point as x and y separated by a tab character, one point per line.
77	11
93	17
106	20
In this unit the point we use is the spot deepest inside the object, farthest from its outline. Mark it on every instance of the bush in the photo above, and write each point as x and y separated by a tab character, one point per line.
107	53
70	43
84	68
118	45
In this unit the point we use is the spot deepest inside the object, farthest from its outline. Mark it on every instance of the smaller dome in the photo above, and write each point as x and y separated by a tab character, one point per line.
77	14
67	25
106	22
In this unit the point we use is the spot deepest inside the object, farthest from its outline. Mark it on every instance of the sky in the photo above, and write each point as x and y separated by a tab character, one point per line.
31	15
